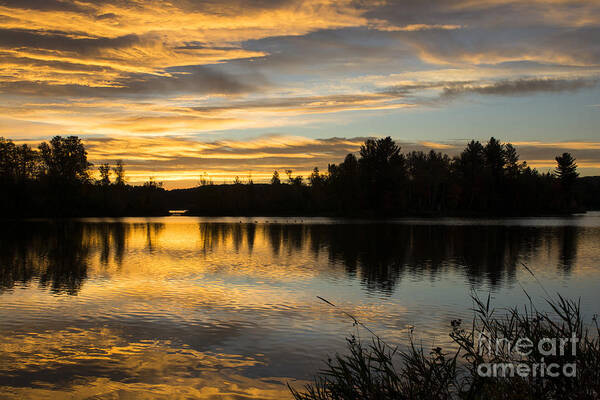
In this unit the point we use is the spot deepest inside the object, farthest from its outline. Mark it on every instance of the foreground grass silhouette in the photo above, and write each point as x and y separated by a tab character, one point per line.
376	370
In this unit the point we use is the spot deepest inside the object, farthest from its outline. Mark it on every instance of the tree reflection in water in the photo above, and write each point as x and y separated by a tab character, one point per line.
56	254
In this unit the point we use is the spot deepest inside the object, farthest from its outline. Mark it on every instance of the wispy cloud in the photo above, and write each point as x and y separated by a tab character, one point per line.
520	86
167	72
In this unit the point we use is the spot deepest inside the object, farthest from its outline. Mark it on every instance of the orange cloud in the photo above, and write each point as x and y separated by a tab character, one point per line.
417	27
150	36
569	145
437	146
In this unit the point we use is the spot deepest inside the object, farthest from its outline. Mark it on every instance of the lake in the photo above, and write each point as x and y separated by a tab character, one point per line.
211	308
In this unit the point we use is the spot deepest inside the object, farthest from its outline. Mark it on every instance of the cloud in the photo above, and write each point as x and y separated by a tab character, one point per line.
520	86
153	35
187	67
62	41
46	5
195	79
488	12
417	27
137	107
438	146
314	104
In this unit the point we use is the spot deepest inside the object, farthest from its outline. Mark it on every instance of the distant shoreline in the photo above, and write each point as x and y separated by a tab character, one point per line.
483	181
355	218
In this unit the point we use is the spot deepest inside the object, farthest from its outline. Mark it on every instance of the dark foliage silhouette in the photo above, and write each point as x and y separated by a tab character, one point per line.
378	370
55	181
484	179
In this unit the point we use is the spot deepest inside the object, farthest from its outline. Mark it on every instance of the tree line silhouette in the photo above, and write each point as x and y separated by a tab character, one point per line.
484	179
55	180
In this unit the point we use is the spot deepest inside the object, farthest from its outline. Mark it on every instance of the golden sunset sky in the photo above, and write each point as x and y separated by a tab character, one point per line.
178	88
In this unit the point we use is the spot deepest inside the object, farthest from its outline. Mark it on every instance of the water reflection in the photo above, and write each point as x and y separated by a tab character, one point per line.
112	238
189	308
113	365
568	248
56	254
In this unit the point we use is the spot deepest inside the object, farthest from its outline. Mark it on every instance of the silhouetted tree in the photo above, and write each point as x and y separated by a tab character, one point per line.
275	179
65	159
294	180
6	157
344	185
495	160
297	180
55	181
104	170
567	174
17	163
152	183
316	178
469	166
380	156
495	157
119	171
471	160
382	169
566	170
26	163
429	180
513	167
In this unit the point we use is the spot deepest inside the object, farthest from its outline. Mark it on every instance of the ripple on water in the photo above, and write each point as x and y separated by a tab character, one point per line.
201	306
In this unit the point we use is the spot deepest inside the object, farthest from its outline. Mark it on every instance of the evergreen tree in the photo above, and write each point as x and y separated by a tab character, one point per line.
566	170
512	167
495	157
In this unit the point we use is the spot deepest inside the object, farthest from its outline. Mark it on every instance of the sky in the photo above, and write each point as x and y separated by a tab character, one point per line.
183	89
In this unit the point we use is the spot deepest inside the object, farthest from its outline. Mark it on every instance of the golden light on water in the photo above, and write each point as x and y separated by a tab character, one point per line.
190	93
227	307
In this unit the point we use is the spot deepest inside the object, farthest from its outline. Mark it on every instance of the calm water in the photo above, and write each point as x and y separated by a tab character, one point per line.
183	307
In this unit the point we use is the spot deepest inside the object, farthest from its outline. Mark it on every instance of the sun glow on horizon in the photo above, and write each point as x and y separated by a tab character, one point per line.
181	88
